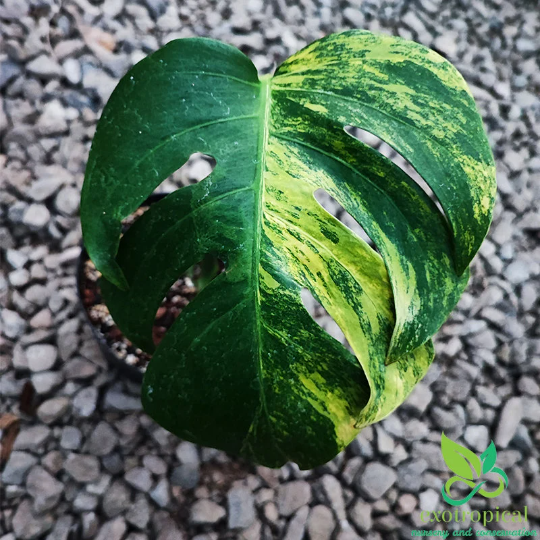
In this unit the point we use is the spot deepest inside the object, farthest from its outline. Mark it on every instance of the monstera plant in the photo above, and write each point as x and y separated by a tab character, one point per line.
245	368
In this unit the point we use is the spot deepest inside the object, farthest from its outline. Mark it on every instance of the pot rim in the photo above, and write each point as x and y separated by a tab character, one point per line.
133	372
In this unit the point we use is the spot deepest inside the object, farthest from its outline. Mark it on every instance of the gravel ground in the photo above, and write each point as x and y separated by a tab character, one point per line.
87	462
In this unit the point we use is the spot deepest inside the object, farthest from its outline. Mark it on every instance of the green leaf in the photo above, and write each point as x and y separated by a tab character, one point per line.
245	368
488	457
460	460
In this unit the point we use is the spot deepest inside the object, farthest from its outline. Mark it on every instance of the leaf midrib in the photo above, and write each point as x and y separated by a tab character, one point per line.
258	189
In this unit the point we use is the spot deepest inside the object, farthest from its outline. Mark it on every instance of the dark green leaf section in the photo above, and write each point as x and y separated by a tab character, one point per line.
244	367
166	108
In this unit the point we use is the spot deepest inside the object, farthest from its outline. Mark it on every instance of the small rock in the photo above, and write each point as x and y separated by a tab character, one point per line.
16	259
32	438
139	513
13	325
375	480
36	216
354	17
419	399
321	523
187	453
140	478
102	441
71	438
155	465
292	496
26	526
46	381
72	70
347	534
90	525
85	502
206	512
509	420
79	369
117	499
99	81
122	402
62	528
17	467
8	71
241	508
297	525
410	474
67	201
19	278
360	514
517	272
84	403
185	476
477	437
406	504
429	500
82	468
161	493
112	530
45	489
41	357
333	492
385	443
44	67
53	120
53	409
447	43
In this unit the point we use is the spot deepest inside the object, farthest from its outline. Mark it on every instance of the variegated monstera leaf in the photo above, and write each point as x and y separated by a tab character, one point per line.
245	368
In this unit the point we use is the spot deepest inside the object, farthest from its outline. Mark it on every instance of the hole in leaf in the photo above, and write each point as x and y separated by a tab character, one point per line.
196	168
333	207
322	318
183	291
395	157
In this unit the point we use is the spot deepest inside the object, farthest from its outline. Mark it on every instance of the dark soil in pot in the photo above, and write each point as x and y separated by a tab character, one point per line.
117	349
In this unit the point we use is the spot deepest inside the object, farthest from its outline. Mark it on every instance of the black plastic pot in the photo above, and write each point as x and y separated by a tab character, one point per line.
133	372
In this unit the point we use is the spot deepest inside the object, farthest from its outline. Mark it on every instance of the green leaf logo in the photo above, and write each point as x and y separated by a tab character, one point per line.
488	457
469	468
460	459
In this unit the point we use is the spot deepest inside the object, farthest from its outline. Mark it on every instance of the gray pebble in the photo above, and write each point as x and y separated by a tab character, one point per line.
13	325
41	357
117	499
161	493
53	409
82	468
17	467
112	530
375	480
321	523
140	478
45	490
292	496
241	508
508	423
28	526
206	512
102	441
71	438
36	216
85	401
